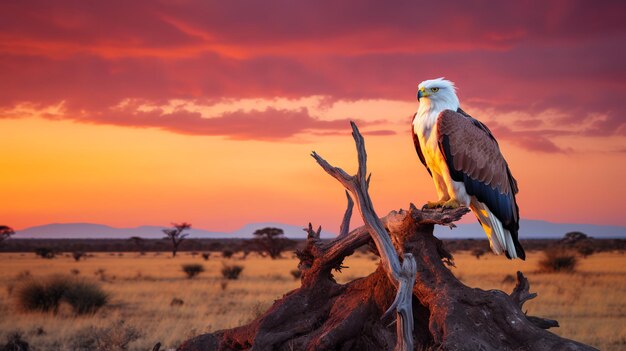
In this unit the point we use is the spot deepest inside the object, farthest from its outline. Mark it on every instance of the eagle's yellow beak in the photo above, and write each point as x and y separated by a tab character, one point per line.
422	93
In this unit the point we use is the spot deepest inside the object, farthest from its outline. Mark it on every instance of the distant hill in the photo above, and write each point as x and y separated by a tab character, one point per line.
100	231
529	229
535	229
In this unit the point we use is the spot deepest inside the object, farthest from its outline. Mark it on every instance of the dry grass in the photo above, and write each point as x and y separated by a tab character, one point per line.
590	304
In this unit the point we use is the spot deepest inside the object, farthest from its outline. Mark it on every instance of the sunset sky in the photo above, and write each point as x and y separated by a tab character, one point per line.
138	112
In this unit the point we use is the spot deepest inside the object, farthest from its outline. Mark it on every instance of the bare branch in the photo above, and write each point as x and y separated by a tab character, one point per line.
521	293
345	224
312	234
358	186
403	303
445	217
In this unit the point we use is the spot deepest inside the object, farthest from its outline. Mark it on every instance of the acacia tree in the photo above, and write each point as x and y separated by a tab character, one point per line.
138	242
271	240
5	233
573	238
175	235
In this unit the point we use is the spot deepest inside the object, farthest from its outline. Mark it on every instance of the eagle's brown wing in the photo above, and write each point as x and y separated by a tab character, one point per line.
474	158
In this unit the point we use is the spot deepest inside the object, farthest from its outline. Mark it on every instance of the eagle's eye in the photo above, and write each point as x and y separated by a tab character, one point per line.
435	90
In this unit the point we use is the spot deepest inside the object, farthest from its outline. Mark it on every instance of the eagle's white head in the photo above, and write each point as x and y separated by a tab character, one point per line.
436	95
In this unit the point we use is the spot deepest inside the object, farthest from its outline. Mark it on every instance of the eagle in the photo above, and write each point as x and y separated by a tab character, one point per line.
466	165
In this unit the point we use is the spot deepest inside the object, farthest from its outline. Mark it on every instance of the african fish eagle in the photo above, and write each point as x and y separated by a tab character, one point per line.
467	167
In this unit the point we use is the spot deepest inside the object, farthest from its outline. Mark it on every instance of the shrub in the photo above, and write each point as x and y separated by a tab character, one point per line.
44	252
177	302
296	273
85	297
77	255
585	249
206	255
43	296
193	269
478	253
227	253
231	271
46	295
557	260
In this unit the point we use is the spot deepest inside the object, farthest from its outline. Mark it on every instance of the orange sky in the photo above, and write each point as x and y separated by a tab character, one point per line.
207	114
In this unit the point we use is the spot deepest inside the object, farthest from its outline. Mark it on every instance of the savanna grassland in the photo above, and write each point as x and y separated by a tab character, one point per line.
590	304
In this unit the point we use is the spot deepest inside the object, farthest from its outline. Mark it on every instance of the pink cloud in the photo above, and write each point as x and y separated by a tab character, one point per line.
533	140
506	56
270	124
380	132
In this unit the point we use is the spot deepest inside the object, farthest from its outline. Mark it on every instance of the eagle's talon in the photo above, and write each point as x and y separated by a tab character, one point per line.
451	204
434	204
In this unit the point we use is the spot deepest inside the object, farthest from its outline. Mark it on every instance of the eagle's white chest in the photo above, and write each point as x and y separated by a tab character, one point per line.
425	127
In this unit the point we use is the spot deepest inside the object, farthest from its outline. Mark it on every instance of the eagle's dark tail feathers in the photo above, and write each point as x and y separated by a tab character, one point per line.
521	254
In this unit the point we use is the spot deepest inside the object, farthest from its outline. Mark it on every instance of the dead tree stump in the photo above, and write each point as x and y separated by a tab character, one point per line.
445	314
